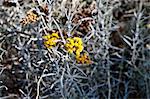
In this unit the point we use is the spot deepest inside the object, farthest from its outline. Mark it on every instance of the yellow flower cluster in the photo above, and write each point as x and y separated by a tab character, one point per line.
74	45
83	59
51	40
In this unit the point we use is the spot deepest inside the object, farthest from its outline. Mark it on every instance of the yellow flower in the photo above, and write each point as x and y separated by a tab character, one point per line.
55	35
50	40
47	36
79	50
74	45
78	41
70	50
70	41
83	59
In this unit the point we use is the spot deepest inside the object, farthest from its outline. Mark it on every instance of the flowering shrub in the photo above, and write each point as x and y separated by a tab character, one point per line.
73	45
92	49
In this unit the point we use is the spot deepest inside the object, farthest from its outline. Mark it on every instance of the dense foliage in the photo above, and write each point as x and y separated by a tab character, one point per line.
72	49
